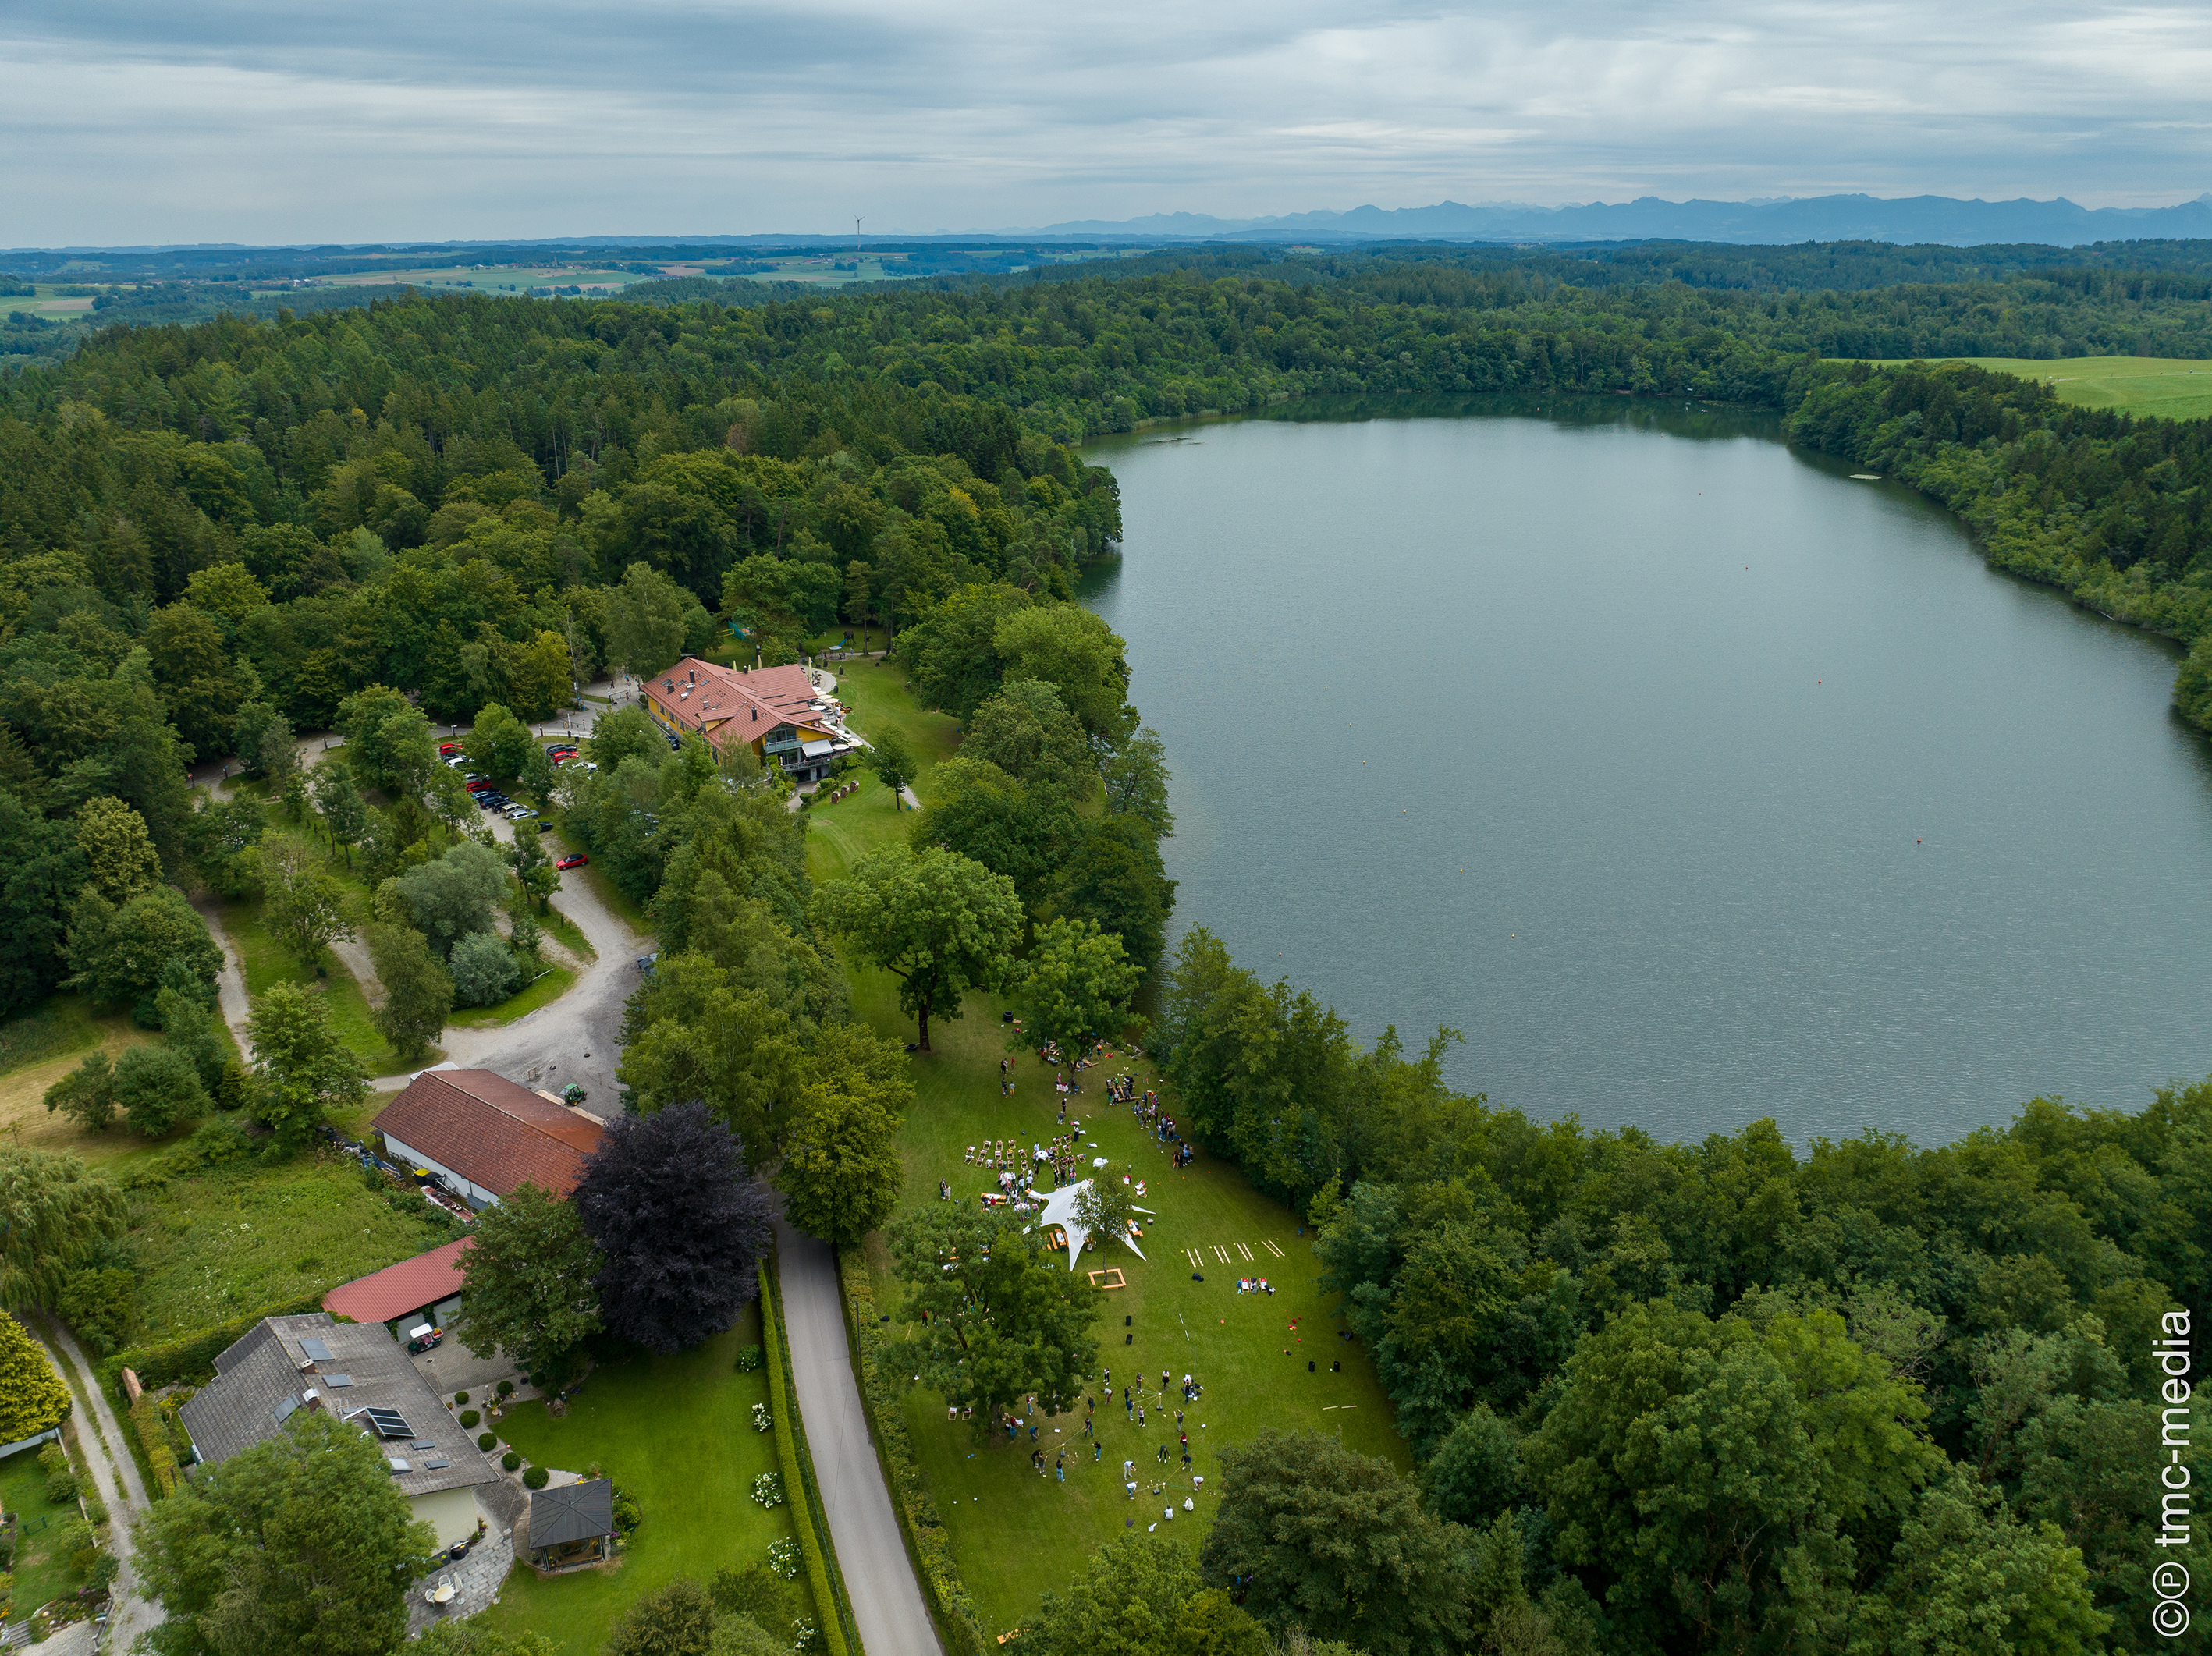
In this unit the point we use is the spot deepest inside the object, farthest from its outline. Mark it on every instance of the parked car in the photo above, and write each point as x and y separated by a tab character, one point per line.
493	801
545	827
560	746
447	748
576	861
518	813
476	784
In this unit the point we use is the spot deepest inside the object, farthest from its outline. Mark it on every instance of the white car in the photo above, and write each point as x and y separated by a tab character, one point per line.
518	813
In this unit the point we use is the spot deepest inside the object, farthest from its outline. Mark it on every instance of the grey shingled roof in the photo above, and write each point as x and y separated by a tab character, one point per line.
574	1512
260	1374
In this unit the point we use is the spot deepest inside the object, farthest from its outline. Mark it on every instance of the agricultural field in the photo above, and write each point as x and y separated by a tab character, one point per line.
1015	1533
494	279
2174	388
678	1434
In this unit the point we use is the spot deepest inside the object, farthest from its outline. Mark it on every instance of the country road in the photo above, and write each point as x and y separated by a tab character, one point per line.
887	1601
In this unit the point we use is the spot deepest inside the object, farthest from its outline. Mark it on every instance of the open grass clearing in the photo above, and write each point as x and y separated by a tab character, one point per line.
267	963
678	1434
40	1576
2174	388
1015	1533
229	1241
27	1122
56	1028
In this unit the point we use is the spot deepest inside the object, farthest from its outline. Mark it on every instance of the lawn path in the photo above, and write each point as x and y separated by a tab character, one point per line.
887	1602
230	982
108	1453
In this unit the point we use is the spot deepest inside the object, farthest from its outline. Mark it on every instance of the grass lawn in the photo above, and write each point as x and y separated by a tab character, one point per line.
1017	1534
39	1576
266	963
61	1026
570	935
227	1242
676	1432
2174	388
552	982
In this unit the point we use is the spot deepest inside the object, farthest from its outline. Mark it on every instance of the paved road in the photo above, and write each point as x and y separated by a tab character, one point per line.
116	1476
887	1601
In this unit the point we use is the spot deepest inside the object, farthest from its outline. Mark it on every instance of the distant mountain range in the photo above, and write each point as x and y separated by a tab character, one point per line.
2058	223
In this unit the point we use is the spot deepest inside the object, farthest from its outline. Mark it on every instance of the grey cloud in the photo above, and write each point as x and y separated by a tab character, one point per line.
245	121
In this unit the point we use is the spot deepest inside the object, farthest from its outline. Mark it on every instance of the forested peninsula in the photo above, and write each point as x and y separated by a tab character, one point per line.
1868	1398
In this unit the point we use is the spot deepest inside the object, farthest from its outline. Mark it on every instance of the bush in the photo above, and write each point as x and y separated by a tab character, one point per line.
96	1511
99	1304
626	1515
160	1459
488	1442
507	1388
534	1479
768	1489
509	1461
749	1359
469	1418
461	1398
483	969
61	1487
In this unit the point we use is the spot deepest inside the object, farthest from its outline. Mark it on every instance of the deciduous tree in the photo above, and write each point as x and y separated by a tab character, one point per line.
303	1543
118	954
1320	1536
1001	1318
54	1215
1027	732
120	856
1076	983
530	1279
939	922
841	1172
418	991
159	1089
499	744
483	969
679	1222
459	893
302	1070
304	907
87	1094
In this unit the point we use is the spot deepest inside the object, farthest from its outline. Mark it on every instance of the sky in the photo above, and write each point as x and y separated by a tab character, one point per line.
127	121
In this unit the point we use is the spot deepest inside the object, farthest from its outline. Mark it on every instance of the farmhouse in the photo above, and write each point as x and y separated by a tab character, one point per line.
358	1372
481	1136
776	711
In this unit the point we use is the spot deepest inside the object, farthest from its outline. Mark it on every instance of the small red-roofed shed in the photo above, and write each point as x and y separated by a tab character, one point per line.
427	1283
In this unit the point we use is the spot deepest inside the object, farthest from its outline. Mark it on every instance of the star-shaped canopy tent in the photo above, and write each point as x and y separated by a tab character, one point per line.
1060	1210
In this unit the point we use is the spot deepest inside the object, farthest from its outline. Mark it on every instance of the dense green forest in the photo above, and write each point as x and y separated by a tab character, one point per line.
1664	1397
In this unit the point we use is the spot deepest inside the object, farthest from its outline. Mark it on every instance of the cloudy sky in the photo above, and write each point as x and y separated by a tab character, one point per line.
250	120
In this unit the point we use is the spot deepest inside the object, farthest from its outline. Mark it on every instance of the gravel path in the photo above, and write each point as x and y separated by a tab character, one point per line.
107	1451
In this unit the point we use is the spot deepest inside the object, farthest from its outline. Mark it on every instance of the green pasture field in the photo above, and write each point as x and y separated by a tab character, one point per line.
1015	1533
549	985
496	279
2174	388
677	1433
224	1243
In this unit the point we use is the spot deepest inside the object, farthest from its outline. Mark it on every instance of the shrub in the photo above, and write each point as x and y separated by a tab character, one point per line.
96	1511
160	1458
783	1558
469	1418
488	1442
749	1359
105	1569
61	1487
534	1479
763	1421
753	1591
768	1489
507	1388
626	1514
461	1398
509	1461
483	969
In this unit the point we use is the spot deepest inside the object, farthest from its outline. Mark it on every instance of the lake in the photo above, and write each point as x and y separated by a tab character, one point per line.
1691	780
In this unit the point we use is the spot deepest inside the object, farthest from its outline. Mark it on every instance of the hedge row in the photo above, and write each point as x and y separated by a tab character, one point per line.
925	1539
192	1356
786	1449
160	1460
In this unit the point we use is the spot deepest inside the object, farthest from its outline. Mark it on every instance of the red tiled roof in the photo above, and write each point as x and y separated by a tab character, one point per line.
488	1129
398	1289
696	694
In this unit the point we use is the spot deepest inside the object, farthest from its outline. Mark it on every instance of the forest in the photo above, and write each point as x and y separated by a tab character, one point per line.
1722	1396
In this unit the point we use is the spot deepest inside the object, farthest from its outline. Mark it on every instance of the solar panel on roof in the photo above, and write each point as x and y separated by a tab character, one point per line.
390	1423
423	1443
317	1349
284	1408
438	1464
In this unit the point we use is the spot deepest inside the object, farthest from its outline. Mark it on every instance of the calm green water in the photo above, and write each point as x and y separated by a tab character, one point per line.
1691	780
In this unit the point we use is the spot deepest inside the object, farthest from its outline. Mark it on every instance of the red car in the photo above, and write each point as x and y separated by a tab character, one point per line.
447	750
576	861
477	787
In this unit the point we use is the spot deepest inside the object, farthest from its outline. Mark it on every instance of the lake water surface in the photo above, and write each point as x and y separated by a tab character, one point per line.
1690	779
